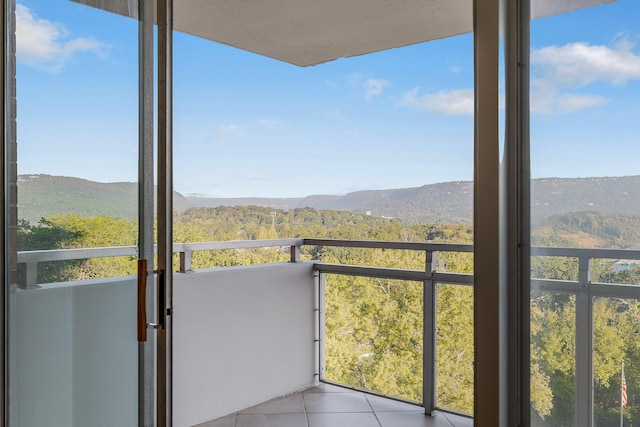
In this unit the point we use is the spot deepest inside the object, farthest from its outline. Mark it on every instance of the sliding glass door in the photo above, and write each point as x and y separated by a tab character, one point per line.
79	214
585	229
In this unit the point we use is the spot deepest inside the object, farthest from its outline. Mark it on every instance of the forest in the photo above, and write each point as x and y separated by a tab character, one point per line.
374	326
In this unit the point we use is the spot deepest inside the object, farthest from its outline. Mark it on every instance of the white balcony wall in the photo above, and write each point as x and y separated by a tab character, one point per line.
242	335
78	354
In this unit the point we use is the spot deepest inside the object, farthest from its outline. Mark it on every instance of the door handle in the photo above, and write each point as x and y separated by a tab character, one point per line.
162	301
142	300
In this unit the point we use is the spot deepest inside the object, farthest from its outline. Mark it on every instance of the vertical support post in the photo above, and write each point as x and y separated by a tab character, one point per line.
515	218
165	210
490	391
429	335
31	275
584	345
316	319
146	213
5	248
323	330
295	253
9	209
185	261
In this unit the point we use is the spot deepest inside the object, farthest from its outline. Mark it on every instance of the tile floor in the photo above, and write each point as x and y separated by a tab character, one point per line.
331	406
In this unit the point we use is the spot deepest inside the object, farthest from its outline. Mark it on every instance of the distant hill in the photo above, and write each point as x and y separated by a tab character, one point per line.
45	195
588	229
448	202
555	196
452	202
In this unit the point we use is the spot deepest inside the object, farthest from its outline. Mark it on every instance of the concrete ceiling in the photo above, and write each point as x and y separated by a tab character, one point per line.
309	32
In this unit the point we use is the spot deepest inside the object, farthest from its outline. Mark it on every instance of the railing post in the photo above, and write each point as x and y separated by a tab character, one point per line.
428	335
31	275
584	345
295	253
185	261
316	318
322	323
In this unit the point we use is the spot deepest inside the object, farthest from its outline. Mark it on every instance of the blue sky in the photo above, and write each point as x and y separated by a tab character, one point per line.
246	125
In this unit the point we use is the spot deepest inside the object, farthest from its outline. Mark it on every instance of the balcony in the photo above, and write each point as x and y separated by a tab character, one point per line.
247	335
329	405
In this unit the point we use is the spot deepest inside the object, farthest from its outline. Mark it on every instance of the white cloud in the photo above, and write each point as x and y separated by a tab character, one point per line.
577	65
374	87
568	103
580	64
545	101
47	45
554	69
229	131
369	88
445	102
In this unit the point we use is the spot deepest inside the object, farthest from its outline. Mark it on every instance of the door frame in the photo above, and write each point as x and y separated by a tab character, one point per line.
154	355
165	213
147	401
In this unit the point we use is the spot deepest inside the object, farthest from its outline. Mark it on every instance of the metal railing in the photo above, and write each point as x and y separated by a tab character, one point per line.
185	250
31	259
584	288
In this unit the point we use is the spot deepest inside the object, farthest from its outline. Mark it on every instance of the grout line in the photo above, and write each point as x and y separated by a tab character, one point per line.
304	404
372	410
448	420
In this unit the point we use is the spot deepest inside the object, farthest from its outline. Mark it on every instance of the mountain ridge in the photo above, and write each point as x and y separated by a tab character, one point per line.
446	202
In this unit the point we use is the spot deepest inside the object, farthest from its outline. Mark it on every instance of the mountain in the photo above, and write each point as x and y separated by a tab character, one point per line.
45	195
452	202
612	195
447	202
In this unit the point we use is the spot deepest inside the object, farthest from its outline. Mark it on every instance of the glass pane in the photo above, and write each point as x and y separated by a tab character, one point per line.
553	351
374	335
585	83
73	353
454	348
77	126
375	147
615	342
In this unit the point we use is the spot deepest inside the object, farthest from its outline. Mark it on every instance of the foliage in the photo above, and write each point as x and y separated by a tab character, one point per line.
454	348
72	232
374	334
374	326
598	229
47	235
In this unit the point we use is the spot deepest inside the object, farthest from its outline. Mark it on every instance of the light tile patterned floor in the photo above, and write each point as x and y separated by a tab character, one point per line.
331	406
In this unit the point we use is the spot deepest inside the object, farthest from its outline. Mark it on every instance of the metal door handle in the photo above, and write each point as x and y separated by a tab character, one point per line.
142	300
